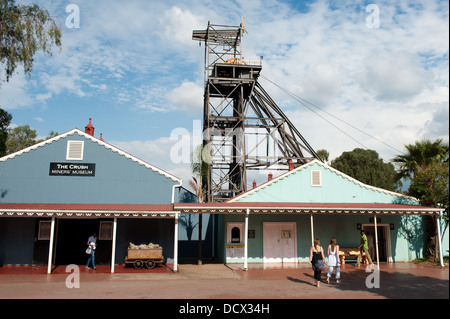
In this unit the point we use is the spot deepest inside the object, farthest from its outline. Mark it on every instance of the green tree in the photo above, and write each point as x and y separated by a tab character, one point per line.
24	30
424	163
421	153
19	138
324	155
430	186
200	163
5	120
50	135
368	168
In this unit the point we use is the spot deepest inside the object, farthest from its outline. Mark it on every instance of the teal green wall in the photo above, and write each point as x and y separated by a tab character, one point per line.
296	186
407	237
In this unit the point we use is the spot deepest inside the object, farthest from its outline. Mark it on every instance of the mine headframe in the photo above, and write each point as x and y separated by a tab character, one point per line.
243	128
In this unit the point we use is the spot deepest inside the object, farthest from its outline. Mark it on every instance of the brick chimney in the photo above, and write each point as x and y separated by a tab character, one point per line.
291	165
89	129
254	184
270	176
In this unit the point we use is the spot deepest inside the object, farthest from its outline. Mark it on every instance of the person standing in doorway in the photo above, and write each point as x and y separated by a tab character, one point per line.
317	259
92	242
363	248
333	260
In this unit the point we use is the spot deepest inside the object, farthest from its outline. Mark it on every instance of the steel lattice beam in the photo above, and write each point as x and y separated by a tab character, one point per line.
245	129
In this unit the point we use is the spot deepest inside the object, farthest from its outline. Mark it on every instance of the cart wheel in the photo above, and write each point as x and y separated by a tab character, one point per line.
150	264
138	264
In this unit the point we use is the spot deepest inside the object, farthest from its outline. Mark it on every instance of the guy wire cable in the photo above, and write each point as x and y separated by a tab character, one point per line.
303	101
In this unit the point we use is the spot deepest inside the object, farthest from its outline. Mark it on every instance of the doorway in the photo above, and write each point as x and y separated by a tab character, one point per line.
384	242
280	242
71	242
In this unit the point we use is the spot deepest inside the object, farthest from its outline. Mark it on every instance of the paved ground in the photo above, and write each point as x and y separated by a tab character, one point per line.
220	291
218	281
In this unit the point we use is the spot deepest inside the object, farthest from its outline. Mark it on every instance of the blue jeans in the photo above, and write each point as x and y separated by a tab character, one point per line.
91	258
338	271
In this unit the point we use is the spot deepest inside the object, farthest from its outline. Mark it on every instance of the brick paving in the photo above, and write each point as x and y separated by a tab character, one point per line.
225	282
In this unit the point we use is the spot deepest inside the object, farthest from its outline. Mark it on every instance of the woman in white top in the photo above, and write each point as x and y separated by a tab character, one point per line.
333	260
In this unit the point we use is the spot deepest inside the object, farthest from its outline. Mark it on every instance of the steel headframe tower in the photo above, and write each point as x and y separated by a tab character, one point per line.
243	128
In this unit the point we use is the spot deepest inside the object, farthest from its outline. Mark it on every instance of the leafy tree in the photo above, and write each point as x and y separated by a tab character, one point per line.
24	30
19	138
200	163
324	155
368	168
50	135
5	120
23	136
430	186
421	153
426	164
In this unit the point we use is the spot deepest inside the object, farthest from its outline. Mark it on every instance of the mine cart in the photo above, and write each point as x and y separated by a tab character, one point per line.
147	257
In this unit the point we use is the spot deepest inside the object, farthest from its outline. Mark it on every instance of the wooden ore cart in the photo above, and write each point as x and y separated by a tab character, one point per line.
147	257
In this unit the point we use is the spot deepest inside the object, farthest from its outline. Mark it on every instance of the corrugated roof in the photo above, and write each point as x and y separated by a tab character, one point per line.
86	210
96	140
343	208
302	167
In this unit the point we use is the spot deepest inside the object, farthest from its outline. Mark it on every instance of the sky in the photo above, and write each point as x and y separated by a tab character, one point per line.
375	72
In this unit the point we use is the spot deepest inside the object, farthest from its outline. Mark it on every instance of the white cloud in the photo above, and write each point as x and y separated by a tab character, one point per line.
394	76
177	25
187	97
159	152
438	125
14	94
390	82
321	83
61	83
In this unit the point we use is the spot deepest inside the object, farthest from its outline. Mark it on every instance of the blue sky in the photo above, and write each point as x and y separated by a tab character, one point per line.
133	68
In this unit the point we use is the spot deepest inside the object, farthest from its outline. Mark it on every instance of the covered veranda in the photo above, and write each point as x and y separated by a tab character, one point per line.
112	212
247	209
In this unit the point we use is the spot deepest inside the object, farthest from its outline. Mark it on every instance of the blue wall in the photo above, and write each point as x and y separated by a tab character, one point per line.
17	240
25	178
118	180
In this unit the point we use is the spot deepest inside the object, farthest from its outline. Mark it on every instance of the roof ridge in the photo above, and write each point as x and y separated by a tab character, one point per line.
96	140
270	182
326	166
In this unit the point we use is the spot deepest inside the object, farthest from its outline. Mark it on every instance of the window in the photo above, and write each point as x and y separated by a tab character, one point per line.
106	230
235	230
75	150
44	230
316	178
235	235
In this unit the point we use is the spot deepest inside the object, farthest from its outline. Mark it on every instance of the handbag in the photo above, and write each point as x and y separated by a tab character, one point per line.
319	265
89	250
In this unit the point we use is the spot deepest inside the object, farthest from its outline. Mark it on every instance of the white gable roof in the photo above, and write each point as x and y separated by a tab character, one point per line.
98	141
325	166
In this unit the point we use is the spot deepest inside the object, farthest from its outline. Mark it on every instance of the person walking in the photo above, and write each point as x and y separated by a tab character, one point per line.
317	259
363	248
333	260
92	243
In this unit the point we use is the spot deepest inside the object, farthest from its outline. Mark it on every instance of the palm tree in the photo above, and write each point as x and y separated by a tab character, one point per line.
421	153
200	162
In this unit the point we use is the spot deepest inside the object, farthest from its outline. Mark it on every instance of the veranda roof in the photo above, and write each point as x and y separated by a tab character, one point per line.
305	208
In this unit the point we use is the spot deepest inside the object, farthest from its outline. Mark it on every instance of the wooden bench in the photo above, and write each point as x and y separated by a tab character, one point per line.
350	252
